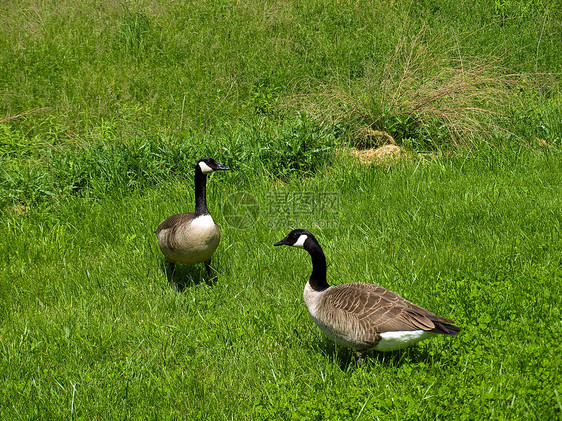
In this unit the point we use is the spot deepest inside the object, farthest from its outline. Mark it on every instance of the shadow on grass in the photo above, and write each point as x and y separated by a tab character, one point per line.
187	276
347	360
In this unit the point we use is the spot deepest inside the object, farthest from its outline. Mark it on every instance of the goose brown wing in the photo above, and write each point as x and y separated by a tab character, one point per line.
175	221
382	310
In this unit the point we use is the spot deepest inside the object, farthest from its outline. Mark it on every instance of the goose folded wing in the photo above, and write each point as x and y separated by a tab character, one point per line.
381	308
175	221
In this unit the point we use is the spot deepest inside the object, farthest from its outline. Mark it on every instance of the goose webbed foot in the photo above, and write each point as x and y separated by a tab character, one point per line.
360	357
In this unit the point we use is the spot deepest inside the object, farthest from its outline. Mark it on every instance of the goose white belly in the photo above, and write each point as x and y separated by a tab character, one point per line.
391	341
194	242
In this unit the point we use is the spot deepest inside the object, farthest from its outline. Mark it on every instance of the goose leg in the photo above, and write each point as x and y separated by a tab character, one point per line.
172	269
208	269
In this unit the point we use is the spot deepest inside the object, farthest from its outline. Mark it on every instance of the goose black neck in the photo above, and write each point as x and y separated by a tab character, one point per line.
200	193
318	277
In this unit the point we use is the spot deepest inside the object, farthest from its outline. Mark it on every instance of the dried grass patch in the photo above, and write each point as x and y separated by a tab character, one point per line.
380	155
426	89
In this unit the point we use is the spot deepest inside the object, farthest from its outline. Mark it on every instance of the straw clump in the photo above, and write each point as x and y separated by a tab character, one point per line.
425	91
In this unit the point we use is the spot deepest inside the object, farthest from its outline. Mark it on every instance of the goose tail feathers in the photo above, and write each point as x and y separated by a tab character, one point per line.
446	329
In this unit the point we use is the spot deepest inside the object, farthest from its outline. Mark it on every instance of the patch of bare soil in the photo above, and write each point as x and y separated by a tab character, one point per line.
383	154
20	209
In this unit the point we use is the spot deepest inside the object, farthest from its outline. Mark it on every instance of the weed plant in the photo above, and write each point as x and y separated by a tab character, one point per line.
37	172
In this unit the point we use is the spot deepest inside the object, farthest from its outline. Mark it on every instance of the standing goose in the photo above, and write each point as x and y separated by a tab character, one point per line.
192	237
359	315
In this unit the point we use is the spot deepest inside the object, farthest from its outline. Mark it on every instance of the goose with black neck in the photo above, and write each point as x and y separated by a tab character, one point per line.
359	315
192	237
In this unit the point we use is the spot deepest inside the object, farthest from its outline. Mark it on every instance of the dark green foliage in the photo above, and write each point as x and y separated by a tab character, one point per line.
37	172
45	171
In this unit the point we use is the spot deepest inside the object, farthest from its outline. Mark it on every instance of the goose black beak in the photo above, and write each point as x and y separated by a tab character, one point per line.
280	243
222	167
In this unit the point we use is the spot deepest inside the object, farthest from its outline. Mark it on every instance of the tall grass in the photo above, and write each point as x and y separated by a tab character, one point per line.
426	92
178	69
35	172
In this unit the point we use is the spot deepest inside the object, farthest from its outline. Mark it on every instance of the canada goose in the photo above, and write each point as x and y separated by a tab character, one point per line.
192	237
359	315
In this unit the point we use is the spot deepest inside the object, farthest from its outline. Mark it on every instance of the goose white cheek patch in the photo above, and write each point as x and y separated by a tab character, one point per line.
300	242
205	169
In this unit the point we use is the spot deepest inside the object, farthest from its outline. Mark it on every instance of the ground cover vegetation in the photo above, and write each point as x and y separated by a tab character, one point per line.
106	106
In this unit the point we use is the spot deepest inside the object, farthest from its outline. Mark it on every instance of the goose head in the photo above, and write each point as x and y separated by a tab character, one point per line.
208	165
298	238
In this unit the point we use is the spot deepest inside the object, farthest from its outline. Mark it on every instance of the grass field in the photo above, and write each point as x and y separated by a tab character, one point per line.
91	328
105	107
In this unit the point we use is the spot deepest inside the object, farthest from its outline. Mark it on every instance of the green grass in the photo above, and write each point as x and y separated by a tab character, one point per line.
104	109
107	71
90	327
